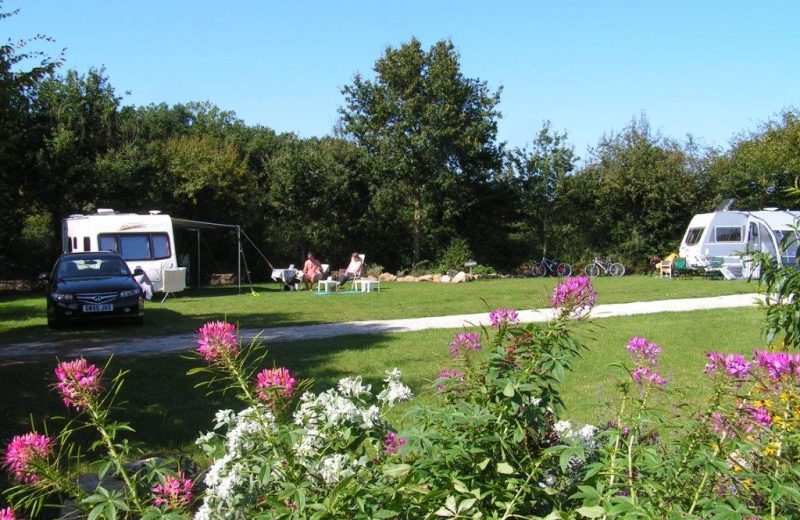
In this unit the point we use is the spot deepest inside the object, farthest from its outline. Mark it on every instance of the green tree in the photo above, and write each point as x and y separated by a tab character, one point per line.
432	131
22	70
539	173
633	198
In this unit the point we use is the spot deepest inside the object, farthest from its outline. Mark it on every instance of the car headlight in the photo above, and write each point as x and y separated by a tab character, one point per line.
129	292
62	297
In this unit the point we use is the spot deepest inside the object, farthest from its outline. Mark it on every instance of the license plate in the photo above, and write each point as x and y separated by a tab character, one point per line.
105	307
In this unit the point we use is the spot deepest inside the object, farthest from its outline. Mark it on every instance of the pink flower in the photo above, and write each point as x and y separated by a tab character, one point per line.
451	375
216	338
78	382
761	416
734	365
7	514
273	383
777	364
574	295
464	342
23	452
393	443
643	351
503	318
174	493
644	374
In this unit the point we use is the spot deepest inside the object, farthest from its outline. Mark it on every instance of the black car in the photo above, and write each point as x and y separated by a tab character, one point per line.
92	286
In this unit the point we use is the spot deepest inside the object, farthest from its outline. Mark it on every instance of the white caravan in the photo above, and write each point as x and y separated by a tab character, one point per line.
728	235
145	241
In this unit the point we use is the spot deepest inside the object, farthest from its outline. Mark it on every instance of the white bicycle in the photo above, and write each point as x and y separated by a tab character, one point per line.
608	267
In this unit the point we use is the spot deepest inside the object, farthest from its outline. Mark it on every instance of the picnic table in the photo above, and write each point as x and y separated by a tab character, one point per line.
289	277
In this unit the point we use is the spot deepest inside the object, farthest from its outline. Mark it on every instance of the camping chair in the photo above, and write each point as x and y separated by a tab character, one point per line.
357	276
681	268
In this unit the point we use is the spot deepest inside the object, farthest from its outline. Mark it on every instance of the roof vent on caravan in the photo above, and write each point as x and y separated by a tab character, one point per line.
155	212
105	211
770	209
725	205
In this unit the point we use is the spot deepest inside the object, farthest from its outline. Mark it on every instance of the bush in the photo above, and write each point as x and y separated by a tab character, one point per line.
454	257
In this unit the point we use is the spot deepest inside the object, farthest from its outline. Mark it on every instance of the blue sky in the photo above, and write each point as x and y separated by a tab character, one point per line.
713	69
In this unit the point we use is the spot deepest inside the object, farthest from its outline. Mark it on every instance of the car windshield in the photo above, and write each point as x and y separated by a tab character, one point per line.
92	268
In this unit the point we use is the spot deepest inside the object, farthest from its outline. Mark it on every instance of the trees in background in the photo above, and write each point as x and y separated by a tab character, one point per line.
414	171
432	132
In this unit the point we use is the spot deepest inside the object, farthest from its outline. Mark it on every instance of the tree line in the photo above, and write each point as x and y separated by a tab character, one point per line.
412	168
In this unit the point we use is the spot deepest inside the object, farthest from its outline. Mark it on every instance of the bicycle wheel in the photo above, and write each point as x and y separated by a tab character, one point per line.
538	269
592	270
563	269
616	269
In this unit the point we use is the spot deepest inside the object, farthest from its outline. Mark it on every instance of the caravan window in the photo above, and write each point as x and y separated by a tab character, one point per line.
136	246
693	236
728	234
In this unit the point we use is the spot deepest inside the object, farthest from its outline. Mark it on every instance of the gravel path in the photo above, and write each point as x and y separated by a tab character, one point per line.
186	342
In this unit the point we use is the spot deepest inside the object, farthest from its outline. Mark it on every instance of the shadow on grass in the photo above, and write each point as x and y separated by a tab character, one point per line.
160	401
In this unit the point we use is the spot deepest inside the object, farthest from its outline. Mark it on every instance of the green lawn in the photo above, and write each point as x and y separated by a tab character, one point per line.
22	317
168	412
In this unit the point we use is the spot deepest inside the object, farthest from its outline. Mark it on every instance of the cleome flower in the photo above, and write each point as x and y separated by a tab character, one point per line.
645	355
216	338
575	295
502	318
392	443
7	514
22	454
272	384
734	365
451	376
463	343
394	391
174	493
78	382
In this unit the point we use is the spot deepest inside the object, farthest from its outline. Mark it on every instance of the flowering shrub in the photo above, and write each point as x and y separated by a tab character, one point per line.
490	442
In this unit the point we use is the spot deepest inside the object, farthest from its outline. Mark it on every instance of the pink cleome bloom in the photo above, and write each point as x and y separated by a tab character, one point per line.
644	374
174	493
78	382
23	451
217	337
393	443
574	294
503	318
761	416
7	514
642	351
464	342
274	382
777	364
452	375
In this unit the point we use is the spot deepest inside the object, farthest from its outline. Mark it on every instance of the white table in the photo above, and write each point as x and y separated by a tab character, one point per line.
367	285
327	285
290	278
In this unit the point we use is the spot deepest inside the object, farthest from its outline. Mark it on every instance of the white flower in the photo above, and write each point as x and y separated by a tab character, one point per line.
587	432
395	392
204	513
370	417
223	418
392	375
563	429
535	401
333	468
352	387
205	438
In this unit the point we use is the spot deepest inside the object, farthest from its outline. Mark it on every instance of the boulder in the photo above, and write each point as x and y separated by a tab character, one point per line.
425	278
445	278
407	278
387	277
460	277
437	278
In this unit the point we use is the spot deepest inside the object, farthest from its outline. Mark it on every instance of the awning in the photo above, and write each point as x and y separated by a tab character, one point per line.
182	223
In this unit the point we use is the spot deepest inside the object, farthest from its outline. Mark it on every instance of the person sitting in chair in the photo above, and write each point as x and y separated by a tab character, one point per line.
353	269
312	270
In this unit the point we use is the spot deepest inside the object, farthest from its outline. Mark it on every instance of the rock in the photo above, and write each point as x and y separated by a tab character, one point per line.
425	278
407	278
387	277
445	278
460	277
437	278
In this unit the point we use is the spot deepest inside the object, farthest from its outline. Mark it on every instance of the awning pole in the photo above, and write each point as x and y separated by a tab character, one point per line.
198	260
239	257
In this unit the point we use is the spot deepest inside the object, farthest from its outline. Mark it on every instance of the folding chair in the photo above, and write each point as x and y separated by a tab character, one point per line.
357	276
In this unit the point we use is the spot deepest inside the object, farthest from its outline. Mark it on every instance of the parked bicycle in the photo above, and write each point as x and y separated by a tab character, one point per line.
608	267
546	266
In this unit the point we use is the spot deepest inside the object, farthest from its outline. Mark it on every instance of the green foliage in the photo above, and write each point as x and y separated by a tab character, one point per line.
454	257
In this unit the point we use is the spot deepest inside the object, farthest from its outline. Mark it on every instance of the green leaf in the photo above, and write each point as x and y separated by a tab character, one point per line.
485	462
504	468
591	511
508	391
385	513
396	470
